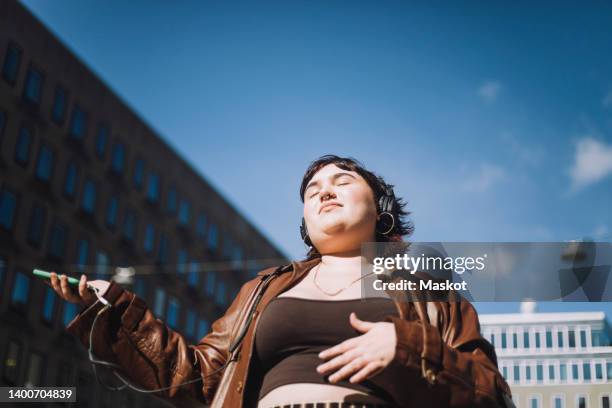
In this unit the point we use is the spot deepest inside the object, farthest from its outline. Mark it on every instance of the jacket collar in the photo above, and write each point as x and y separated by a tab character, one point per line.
297	267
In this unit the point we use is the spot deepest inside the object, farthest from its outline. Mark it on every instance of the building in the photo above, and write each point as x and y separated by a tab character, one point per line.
87	186
553	360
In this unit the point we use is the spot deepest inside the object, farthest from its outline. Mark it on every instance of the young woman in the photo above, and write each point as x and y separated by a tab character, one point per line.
301	335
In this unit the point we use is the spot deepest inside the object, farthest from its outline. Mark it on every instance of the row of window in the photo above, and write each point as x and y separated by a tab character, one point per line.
549	337
559	401
77	129
555	371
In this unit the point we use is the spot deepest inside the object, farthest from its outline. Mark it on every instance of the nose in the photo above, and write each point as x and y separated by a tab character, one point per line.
326	193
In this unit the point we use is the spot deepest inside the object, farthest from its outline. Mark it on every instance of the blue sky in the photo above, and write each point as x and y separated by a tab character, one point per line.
493	120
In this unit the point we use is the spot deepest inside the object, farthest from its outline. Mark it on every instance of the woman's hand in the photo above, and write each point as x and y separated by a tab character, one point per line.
365	355
84	296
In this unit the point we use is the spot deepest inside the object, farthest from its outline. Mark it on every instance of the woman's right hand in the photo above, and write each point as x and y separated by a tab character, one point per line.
84	296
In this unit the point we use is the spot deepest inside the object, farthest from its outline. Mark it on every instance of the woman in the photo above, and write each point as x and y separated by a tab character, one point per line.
304	335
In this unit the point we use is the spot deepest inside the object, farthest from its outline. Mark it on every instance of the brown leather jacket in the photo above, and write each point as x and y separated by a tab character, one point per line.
442	358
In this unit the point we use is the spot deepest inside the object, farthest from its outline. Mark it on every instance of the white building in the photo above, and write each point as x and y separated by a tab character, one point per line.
558	360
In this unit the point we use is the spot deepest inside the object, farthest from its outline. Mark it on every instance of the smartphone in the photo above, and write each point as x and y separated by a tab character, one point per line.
47	275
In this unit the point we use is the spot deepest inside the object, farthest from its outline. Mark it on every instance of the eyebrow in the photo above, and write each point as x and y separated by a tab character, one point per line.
334	177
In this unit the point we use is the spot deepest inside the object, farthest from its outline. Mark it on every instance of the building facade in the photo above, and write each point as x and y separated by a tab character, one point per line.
86	186
553	360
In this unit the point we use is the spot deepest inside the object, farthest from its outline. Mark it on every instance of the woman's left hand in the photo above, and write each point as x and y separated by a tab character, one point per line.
364	355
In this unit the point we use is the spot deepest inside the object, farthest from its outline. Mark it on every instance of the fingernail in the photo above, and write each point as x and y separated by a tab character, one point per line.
83	277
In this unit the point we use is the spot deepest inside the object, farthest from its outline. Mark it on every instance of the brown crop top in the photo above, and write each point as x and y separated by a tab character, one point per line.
292	331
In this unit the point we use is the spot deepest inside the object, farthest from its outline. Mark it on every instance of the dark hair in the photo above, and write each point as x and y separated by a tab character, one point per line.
403	226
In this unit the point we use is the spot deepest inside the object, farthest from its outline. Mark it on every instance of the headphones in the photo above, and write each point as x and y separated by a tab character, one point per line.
385	206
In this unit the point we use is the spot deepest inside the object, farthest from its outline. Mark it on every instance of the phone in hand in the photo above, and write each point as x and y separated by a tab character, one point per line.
47	275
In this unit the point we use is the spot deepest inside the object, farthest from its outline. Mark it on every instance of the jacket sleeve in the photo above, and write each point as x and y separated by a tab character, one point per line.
150	353
457	366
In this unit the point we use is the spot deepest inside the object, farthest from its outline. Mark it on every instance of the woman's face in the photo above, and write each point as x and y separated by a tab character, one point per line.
339	210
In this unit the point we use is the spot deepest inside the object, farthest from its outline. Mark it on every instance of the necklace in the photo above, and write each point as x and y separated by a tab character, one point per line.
338	291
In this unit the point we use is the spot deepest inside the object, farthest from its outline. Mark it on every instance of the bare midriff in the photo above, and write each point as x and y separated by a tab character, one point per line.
308	393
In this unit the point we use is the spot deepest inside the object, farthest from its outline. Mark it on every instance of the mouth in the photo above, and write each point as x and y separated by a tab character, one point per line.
329	207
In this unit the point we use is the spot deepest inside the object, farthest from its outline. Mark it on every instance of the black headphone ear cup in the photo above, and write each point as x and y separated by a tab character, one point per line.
304	233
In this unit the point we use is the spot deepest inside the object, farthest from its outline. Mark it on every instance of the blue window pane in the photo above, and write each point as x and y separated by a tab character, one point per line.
516	373
60	103
551	372
101	141
181	260
526	340
139	173
548	339
540	373
192	278
49	304
88	202
129	225
112	209
160	302
78	123
22	148
12	60
575	371
598	371
583	340
149	241
191	323
139	287
102	265
586	371
212	237
221	293
82	254
571	338
184	212
201	225
118	158
560	339
8	206
32	89
70	312
164	249
172	198
71	180
44	166
57	240
562	372
21	289
503	340
173	312
153	188
36	229
202	328
211	282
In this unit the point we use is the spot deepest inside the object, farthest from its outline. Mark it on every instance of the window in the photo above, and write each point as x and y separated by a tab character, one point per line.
202	328
82	254
526	339
184	212
598	371
505	372
21	289
586	371
581	401
173	312
118	158
558	401
562	372
164	249
210	282
575	371
153	188
503	340
548	339
88	200
35	370
22	148
60	103
539	373
102	263
191	323
537	340
139	287
583	340
139	173
192	278
605	401
129	225
609	369
12	361
32	89
57	240
212	236
171	200
221	293
12	61
48	310
551	372
8	209
70	312
36	229
514	340
181	260
149	239
571	339
112	209
492	334
101	141
534	401
160	302
78	123
44	164
560	339
528	373
71	180
201	225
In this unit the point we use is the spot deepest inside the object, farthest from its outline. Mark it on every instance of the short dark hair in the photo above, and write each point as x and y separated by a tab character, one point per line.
403	226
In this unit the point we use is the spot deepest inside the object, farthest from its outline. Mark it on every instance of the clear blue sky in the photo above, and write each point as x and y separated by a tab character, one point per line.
493	120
